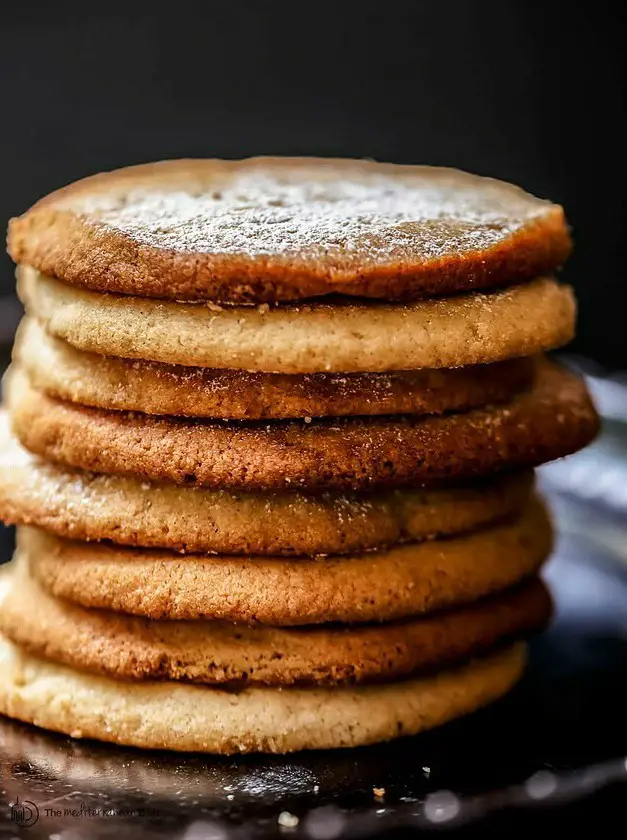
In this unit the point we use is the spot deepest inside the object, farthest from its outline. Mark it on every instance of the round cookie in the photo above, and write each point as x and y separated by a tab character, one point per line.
64	372
88	506
267	229
212	652
194	718
554	419
307	338
376	586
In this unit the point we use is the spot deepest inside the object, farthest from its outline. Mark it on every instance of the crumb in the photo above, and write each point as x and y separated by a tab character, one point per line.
287	820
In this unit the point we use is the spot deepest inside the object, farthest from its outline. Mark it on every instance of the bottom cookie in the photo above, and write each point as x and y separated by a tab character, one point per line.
190	718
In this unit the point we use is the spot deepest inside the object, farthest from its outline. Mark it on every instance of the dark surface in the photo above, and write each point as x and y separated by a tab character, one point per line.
550	756
532	93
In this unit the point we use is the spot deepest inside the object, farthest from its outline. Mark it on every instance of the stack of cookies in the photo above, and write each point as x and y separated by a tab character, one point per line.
269	440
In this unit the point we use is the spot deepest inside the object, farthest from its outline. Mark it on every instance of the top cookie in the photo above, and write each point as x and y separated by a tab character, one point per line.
277	229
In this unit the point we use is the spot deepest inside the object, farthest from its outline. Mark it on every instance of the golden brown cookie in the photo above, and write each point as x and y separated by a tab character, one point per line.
554	419
131	648
64	372
375	586
195	718
267	229
88	506
308	338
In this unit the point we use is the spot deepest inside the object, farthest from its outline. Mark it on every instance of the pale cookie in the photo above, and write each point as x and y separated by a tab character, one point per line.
554	419
287	228
308	338
193	718
89	506
131	648
376	586
64	372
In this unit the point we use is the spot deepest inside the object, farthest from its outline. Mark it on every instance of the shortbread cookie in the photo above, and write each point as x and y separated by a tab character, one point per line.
64	372
88	506
268	229
308	338
127	647
555	418
375	586
193	718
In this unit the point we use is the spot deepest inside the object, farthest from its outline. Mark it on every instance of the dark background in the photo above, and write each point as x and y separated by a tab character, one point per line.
528	92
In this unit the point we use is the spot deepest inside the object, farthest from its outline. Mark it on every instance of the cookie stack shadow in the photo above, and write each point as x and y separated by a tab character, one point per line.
256	517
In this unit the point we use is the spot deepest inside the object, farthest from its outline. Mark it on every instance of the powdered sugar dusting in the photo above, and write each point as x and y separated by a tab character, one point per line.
340	210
